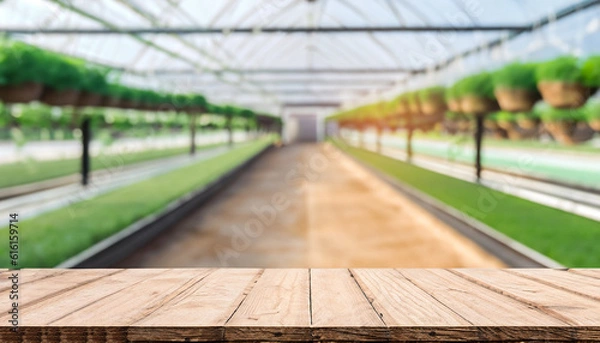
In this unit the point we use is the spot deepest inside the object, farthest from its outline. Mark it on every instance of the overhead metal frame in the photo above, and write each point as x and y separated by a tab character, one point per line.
260	30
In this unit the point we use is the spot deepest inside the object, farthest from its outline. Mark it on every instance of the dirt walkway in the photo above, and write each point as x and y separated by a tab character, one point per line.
309	206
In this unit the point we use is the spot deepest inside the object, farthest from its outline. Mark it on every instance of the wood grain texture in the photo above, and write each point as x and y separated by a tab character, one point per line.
277	308
340	309
201	311
302	305
570	308
594	273
571	282
479	305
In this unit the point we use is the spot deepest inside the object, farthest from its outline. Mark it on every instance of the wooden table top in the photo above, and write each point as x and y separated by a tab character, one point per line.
158	305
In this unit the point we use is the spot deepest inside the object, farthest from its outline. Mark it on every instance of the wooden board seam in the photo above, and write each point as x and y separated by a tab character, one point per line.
434	298
57	293
534	305
562	288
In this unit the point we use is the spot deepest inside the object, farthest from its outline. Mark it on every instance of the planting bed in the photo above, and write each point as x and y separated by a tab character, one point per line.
565	237
52	237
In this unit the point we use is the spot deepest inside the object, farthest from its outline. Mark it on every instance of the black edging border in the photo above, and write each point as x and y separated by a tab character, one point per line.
509	251
124	243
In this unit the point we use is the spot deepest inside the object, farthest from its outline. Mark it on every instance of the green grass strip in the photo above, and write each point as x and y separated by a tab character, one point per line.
24	172
565	237
53	237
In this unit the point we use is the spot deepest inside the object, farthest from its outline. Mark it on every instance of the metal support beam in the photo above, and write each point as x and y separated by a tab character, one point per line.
409	136
229	131
478	142
261	30
86	136
188	72
565	12
312	104
193	133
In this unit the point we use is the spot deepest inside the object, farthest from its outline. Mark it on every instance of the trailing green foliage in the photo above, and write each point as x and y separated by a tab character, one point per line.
590	71
591	111
426	94
549	113
566	69
516	76
505	116
21	63
480	85
451	93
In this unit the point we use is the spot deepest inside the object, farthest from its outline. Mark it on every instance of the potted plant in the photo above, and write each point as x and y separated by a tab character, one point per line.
399	106
92	88
515	87
528	120
111	95
414	106
508	122
560	82
567	126
432	100
452	100
455	122
198	104
66	77
22	72
476	94
129	98
592	114
590	72
491	122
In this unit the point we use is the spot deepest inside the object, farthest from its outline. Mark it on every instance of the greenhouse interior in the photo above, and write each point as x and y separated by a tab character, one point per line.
381	150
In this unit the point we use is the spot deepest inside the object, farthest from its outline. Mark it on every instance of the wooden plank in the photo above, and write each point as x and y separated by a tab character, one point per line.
340	309
55	284
27	276
594	273
62	302
410	313
199	313
571	282
495	316
277	308
566	306
49	299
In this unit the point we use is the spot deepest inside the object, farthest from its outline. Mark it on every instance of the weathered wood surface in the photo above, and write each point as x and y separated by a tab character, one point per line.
302	305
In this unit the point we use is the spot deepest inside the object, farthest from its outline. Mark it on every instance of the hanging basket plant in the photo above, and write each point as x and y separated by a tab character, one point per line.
452	100
87	99
590	72
567	126
476	94
63	97
67	77
432	101
399	106
506	120
22	72
528	120
515	87
93	86
560	82
22	93
592	114
414	106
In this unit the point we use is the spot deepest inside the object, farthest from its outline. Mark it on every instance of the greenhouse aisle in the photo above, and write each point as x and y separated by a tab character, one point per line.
309	206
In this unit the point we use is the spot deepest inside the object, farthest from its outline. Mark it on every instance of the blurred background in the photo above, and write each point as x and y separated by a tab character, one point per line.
301	133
